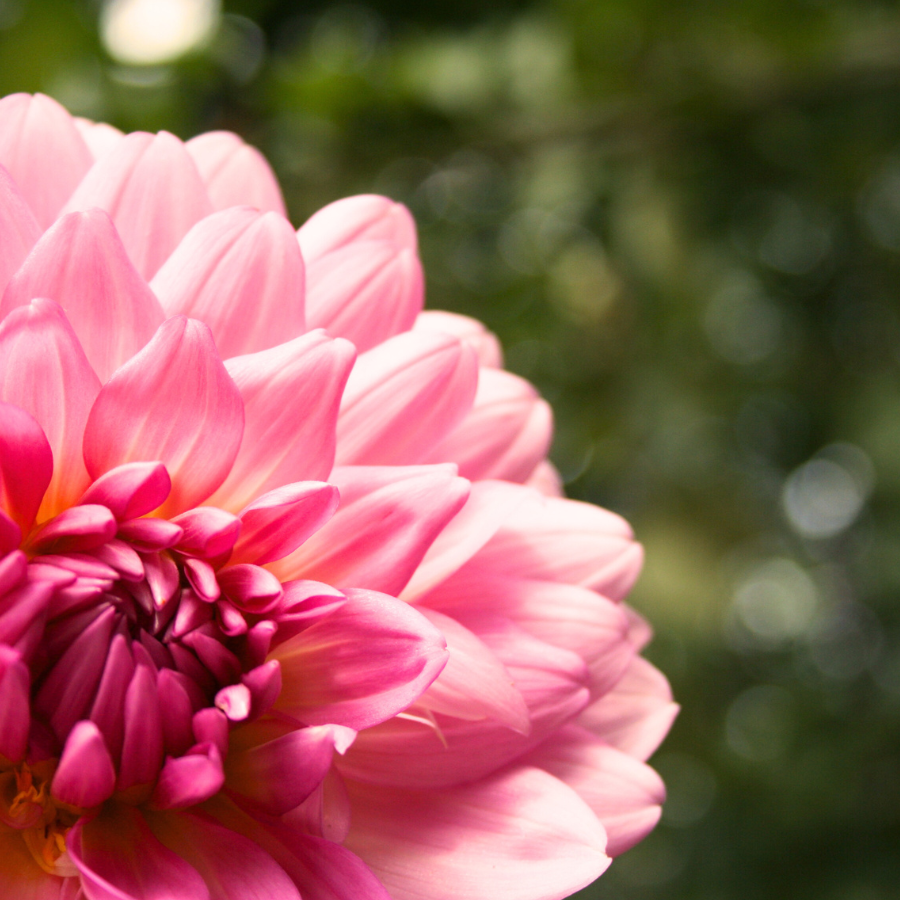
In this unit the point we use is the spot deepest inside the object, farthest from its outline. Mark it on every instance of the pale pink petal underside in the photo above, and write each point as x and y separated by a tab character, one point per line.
235	174
520	835
99	136
152	190
19	230
175	403
241	272
81	264
291	396
43	150
467	329
45	372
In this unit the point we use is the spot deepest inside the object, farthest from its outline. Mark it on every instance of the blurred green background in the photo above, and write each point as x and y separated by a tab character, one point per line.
683	220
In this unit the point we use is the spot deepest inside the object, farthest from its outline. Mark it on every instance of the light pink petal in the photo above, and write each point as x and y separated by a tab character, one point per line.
626	795
15	714
45	372
175	403
26	465
85	776
42	149
99	136
151	189
402	397
474	684
326	812
636	714
469	330
275	524
546	479
553	539
19	230
23	879
291	395
241	272
190	779
520	835
81	264
365	217
505	434
280	774
362	664
119	858
490	504
388	518
235	174
409	751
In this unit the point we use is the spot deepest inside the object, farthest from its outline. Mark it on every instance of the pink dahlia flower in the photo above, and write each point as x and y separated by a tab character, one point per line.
290	603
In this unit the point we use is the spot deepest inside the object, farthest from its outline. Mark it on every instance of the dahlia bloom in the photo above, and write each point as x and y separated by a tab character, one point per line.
291	604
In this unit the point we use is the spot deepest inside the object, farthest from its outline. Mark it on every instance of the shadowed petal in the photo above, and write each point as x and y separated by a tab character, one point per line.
23	879
81	264
85	776
19	230
241	272
45	372
175	403
26	464
15	713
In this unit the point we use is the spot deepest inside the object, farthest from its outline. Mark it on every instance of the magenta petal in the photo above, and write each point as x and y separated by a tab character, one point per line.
142	748
15	715
151	189
151	534
81	264
85	776
235	174
43	150
19	231
388	518
251	588
187	780
26	464
362	664
274	525
402	397
625	795
119	858
107	711
291	396
76	529
131	490
175	403
211	724
280	774
208	532
241	272
519	835
46	373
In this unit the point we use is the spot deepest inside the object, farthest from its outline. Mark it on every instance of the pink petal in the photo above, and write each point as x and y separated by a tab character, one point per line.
81	264
553	539
99	137
23	879
388	518
325	812
76	529
85	776
546	479
26	464
150	187
241	272
505	434
405	752
402	397
474	684
636	714
43	150
190	779
46	373
107	711
520	835
15	715
625	795
468	330
208	532
291	395
142	748
19	231
365	217
131	490
119	858
175	403
235	174
280	774
251	588
274	525
362	664
233	867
